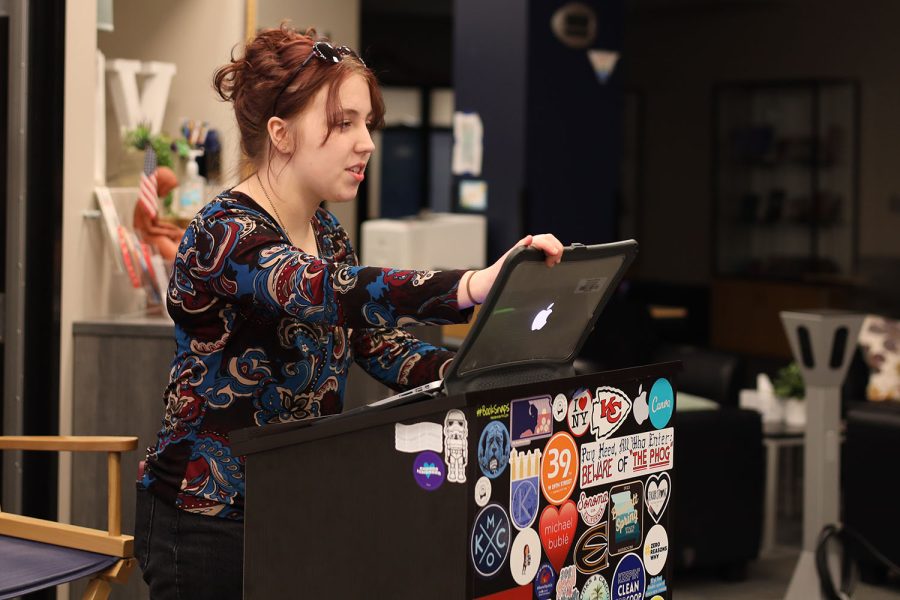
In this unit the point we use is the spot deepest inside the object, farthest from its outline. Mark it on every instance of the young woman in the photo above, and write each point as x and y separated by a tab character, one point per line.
270	305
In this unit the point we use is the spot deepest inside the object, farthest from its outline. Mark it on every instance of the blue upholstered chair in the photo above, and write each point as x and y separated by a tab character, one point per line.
37	554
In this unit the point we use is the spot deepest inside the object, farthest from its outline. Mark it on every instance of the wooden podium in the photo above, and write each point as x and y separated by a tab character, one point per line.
549	490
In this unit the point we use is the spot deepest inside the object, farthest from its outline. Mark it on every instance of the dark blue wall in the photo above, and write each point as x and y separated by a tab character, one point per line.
553	133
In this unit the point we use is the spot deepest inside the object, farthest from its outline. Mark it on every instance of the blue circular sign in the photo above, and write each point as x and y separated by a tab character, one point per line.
493	449
545	582
628	580
662	402
490	541
429	471
523	502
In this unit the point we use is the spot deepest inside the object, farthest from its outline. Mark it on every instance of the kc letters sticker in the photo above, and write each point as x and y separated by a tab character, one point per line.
615	459
524	481
626	517
490	540
610	408
531	419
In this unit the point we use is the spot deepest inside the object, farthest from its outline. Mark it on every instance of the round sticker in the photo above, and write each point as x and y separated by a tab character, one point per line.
662	402
579	416
628	580
489	545
559	468
544	582
525	556
595	588
493	449
428	470
482	491
656	549
559	407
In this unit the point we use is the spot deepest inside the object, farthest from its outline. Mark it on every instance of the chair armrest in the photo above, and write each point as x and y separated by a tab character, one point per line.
69	443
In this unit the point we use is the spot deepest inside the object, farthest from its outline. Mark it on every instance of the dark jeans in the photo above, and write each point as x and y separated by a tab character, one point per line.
186	556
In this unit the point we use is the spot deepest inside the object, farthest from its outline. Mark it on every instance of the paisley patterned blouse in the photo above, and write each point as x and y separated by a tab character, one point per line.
265	334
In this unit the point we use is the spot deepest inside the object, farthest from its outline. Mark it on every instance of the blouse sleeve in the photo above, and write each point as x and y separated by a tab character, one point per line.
397	359
234	253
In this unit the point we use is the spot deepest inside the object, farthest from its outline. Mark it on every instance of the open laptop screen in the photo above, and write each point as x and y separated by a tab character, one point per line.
541	313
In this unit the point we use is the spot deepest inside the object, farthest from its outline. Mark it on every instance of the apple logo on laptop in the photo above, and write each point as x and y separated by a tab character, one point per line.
541	318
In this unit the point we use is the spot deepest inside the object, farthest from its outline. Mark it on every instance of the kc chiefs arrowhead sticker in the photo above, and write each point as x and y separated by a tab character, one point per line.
610	408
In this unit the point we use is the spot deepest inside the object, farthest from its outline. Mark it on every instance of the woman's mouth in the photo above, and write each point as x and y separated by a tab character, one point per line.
357	171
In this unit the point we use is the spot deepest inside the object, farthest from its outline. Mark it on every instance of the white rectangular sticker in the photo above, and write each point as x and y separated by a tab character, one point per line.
607	461
419	437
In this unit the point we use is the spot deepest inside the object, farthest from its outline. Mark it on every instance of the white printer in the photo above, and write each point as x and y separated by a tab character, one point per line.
432	241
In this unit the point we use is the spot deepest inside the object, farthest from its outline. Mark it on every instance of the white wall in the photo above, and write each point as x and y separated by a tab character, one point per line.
339	21
675	55
197	36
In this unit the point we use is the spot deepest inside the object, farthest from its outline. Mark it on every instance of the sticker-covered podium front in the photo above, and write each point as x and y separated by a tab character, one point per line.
572	494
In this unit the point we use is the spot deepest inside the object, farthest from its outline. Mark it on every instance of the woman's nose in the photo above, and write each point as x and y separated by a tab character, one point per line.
365	145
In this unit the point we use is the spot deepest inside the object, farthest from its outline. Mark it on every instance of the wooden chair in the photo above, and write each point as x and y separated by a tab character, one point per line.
107	556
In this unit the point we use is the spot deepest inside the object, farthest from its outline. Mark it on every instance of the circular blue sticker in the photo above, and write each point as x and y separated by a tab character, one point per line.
523	501
628	580
544	582
662	401
490	542
493	449
429	471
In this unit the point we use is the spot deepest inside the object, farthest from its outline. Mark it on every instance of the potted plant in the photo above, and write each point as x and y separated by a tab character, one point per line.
789	386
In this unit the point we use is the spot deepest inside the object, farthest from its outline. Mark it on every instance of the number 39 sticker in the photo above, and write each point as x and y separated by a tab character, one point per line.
559	468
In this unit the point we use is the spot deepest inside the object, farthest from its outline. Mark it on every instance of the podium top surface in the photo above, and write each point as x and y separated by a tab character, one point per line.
252	440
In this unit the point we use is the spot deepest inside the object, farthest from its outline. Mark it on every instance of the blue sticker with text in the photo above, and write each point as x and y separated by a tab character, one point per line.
490	541
429	471
628	580
662	402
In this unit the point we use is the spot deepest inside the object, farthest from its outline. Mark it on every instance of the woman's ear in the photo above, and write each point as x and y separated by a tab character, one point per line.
279	134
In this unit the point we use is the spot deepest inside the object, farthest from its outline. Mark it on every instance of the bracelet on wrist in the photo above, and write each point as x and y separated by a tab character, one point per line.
469	289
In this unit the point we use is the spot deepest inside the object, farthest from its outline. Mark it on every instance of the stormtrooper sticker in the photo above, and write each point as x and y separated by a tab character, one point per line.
456	445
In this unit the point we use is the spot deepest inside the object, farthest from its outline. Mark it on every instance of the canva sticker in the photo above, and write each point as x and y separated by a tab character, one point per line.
493	449
557	529
628	580
610	408
544	582
657	492
525	556
656	549
524	480
456	445
428	470
490	541
625	517
559	468
662	403
530	419
595	588
579	415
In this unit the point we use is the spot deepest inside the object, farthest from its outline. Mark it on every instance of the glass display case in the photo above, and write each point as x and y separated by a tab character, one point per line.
785	177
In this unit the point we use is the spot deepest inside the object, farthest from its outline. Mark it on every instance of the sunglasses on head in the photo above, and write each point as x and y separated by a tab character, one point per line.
323	51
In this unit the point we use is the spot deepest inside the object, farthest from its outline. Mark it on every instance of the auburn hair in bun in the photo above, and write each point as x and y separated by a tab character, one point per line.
253	82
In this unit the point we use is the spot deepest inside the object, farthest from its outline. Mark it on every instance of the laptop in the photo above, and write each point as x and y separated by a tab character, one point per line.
533	322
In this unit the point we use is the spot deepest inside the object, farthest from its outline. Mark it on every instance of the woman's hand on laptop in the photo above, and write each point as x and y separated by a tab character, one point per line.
479	283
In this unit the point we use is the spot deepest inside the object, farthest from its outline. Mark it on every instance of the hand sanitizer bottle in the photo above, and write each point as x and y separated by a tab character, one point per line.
193	191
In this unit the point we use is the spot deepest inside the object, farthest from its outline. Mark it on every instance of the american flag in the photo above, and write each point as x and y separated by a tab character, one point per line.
148	190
